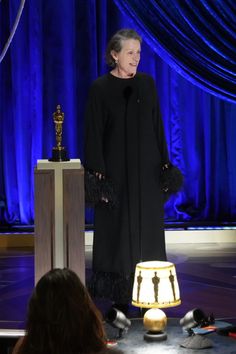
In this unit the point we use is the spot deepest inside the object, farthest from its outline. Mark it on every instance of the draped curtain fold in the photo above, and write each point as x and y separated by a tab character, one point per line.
196	38
57	51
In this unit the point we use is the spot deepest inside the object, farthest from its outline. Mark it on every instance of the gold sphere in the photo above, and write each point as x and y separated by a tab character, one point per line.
155	320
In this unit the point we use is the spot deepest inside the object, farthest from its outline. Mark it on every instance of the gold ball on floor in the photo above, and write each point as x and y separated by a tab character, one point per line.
155	320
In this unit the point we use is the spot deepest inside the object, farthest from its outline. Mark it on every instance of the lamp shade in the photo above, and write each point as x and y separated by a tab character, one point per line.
155	285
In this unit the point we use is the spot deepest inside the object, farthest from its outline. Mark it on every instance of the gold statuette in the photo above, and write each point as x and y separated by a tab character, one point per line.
59	152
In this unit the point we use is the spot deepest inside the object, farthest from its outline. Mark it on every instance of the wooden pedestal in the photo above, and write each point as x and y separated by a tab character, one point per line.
59	217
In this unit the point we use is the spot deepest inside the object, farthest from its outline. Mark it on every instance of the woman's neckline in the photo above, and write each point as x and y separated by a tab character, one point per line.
122	78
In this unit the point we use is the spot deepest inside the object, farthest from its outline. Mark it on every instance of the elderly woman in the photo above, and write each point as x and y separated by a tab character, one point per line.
125	147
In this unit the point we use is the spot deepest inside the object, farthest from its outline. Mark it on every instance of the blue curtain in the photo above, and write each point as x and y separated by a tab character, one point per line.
197	38
59	49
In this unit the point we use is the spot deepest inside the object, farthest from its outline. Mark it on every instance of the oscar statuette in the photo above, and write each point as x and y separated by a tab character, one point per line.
59	153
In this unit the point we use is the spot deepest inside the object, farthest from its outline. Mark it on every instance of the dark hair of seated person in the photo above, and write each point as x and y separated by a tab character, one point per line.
62	318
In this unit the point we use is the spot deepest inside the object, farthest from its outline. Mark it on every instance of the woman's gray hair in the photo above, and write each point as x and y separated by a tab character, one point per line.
115	43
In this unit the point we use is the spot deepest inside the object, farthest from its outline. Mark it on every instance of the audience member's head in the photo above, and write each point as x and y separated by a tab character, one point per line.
62	318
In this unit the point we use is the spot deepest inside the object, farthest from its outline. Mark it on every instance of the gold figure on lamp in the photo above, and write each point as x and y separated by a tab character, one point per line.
59	152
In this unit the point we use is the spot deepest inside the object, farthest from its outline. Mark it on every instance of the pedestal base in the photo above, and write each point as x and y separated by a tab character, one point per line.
59	155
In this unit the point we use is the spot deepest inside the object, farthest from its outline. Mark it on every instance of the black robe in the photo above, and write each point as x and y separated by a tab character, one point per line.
124	141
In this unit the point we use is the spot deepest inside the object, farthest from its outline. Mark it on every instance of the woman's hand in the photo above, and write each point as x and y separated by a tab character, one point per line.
100	176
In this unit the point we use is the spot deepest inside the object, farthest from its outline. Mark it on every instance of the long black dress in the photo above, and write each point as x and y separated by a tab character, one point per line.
124	140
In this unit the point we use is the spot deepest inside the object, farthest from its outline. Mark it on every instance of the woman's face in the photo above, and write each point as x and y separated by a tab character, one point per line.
128	58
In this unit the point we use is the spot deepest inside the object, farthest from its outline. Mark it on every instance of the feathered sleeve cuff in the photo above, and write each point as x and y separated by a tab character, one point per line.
171	180
99	190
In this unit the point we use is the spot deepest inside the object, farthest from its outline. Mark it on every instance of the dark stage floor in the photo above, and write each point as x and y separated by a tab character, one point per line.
206	273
